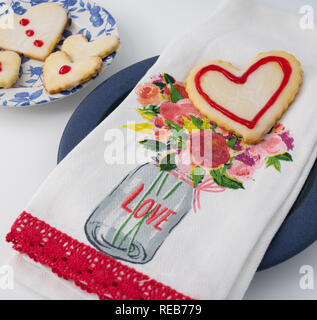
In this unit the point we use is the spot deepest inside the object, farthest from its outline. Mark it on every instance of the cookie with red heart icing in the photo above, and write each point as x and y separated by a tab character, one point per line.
78	61
61	73
35	33
77	46
10	63
247	102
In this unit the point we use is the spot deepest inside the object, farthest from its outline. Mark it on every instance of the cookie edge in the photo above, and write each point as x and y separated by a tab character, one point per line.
87	78
16	76
106	53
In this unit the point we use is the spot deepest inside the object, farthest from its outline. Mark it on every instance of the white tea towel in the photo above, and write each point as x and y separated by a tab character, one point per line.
122	222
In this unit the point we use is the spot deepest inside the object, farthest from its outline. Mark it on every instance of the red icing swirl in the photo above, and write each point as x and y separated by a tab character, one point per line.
283	63
24	22
64	69
38	43
0	66
29	32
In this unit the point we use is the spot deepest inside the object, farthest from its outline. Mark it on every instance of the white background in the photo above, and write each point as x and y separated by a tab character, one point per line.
29	137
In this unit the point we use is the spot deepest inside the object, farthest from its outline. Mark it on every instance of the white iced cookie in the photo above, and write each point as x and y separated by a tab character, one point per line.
61	73
10	63
35	33
247	102
77	46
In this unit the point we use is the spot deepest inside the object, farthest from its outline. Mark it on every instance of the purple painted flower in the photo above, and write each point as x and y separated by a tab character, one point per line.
156	78
288	140
238	146
246	158
228	136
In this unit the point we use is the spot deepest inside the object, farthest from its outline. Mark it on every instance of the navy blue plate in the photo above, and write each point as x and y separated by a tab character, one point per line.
297	232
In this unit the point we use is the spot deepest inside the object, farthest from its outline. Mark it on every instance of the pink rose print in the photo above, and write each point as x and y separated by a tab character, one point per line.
240	171
176	111
161	131
204	148
258	154
156	78
187	108
148	93
159	122
272	145
171	112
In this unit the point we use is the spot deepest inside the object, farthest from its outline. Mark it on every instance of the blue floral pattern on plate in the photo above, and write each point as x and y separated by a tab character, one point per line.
84	17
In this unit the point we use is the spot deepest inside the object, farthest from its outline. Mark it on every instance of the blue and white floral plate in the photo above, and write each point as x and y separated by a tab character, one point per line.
85	17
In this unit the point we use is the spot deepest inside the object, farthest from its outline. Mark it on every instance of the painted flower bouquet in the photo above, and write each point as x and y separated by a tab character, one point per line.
188	143
191	155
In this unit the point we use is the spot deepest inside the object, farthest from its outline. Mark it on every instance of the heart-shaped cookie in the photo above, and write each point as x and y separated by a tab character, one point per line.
248	102
61	73
77	46
35	33
10	63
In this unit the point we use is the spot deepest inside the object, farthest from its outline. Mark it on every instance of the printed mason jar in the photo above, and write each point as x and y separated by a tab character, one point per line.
132	221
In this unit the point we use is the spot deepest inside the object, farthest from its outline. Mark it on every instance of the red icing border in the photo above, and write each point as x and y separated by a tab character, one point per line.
88	268
285	66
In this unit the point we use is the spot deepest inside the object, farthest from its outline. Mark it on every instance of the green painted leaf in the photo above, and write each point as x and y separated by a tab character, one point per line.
222	180
153	145
177	138
284	157
214	126
161	85
227	165
173	125
168	79
273	161
277	165
174	141
175	94
232	142
197	175
182	135
269	162
197	122
168	162
181	145
151	109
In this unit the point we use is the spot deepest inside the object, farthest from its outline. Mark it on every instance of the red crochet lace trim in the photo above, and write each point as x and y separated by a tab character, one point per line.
88	268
